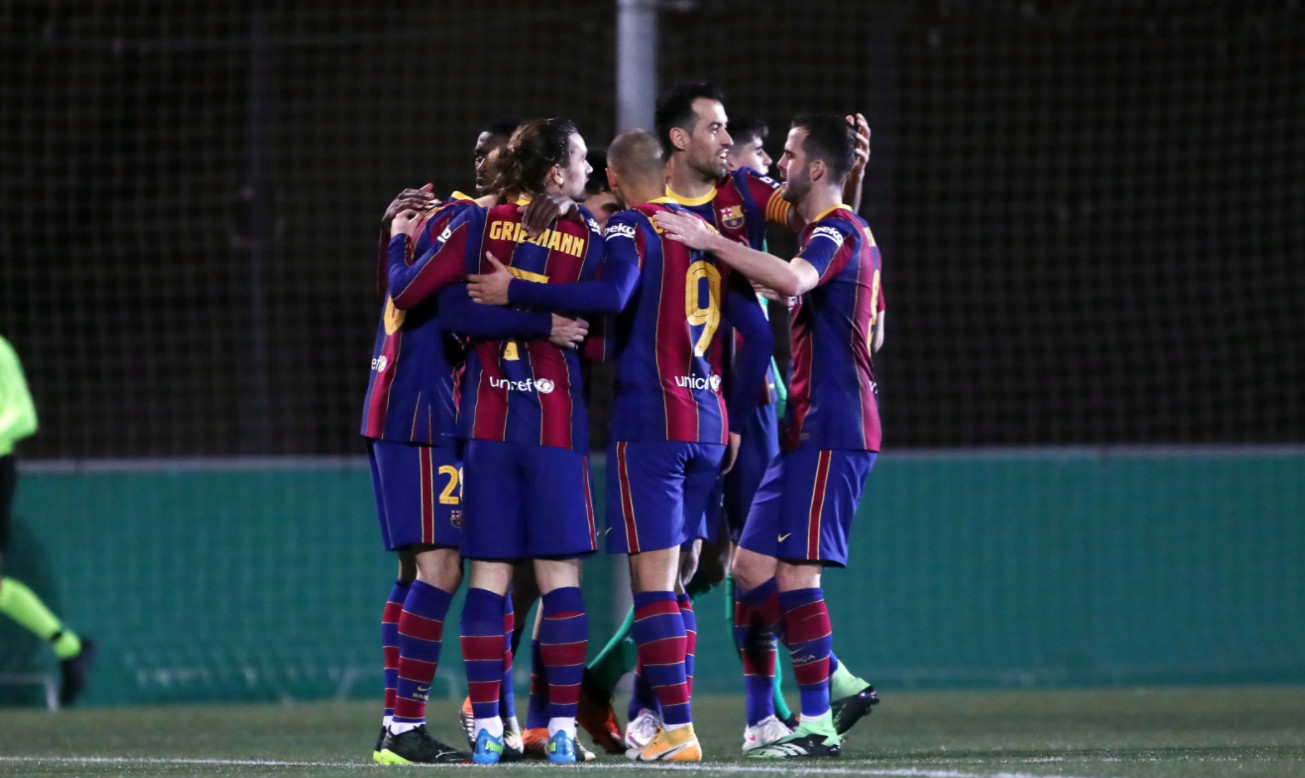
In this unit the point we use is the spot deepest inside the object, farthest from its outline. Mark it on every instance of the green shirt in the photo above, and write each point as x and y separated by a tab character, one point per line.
17	413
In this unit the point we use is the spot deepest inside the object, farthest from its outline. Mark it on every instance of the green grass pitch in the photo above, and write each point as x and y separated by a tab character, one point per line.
1116	733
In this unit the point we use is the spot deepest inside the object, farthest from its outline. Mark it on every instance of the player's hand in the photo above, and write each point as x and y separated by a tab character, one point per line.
689	230
412	200
405	223
731	453
542	210
772	295
862	142
568	332
490	288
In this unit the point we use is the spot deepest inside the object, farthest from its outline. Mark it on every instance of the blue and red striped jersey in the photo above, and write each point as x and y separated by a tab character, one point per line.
833	397
667	340
521	390
410	393
740	205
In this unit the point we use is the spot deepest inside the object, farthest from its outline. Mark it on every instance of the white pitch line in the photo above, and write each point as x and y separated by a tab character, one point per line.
788	768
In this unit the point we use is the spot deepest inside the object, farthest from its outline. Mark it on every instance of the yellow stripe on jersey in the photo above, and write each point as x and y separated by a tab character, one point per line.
682	200
828	211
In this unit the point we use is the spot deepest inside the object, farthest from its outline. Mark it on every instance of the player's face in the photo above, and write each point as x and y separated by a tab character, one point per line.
793	168
710	142
751	154
486	143
577	169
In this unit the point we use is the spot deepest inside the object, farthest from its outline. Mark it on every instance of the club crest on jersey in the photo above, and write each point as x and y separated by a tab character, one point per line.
731	217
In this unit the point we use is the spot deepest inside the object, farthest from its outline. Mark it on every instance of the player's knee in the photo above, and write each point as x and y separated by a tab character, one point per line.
752	570
791	577
440	567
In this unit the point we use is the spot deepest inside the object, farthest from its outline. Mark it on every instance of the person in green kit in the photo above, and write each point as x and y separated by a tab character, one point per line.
17	601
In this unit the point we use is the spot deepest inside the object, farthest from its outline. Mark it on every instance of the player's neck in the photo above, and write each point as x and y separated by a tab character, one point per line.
636	196
686	182
817	201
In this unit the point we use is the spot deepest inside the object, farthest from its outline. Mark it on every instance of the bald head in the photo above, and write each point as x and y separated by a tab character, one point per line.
636	158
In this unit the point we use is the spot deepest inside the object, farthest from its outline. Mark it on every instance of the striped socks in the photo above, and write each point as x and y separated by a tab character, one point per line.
483	652
659	632
563	639
390	642
809	638
421	629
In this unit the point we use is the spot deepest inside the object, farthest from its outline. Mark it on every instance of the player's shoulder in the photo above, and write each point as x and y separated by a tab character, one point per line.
625	224
587	218
746	177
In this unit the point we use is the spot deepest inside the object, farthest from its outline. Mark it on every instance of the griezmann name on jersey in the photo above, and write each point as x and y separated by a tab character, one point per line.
519	390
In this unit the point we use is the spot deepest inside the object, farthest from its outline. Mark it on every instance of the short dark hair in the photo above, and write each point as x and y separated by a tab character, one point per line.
597	180
504	125
829	138
533	149
675	109
745	129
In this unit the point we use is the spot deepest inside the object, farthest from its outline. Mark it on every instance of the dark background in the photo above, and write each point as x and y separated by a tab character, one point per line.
1090	212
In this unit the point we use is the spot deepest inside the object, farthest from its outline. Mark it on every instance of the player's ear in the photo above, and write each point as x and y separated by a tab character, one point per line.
611	179
679	138
817	170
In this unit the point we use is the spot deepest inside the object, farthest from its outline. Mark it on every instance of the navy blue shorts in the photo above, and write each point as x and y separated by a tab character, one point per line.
804	507
657	492
526	502
418	494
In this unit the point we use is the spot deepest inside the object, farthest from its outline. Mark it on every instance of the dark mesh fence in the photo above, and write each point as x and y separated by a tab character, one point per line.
1089	212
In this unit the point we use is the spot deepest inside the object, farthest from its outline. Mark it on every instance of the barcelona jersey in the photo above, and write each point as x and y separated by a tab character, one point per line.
667	336
520	390
410	394
833	397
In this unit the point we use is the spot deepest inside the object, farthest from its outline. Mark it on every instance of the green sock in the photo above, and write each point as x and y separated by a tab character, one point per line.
843	684
822	725
616	659
23	606
782	711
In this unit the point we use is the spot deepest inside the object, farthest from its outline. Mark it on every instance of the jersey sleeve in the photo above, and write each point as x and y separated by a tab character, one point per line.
766	192
460	314
828	248
618	277
412	281
743	312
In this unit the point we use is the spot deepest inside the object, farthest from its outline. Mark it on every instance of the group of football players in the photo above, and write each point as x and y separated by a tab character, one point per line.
475	420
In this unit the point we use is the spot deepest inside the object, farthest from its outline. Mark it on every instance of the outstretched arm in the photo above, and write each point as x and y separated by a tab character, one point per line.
458	313
608	294
791	278
413	281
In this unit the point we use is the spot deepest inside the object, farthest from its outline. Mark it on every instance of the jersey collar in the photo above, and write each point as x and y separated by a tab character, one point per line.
830	210
682	200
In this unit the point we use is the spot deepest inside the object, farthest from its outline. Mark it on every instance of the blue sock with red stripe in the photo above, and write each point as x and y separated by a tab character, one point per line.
563	639
756	614
690	637
659	632
421	630
809	638
390	642
482	653
508	706
537	706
